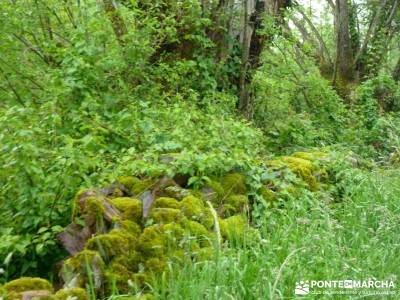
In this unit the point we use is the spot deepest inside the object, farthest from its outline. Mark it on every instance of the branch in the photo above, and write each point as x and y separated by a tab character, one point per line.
371	31
321	41
392	13
117	22
331	4
19	99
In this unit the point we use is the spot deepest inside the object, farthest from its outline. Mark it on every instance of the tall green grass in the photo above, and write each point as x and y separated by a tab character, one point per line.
315	237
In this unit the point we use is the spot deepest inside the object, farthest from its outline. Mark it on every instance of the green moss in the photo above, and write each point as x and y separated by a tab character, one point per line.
152	242
156	265
194	209
116	242
204	254
75	269
165	215
139	296
198	231
166	202
173	233
76	293
311	156
27	284
2	292
129	226
233	183
233	228
177	192
118	275
213	191
139	187
131	208
128	181
140	279
236	203
303	168
94	206
395	158
268	194
164	241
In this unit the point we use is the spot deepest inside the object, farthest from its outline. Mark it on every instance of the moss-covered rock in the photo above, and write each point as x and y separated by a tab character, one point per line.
131	208
128	181
311	156
233	183
233	228
165	202
235	204
303	168
16	288
75	293
141	186
129	226
156	264
152	242
161	215
197	231
140	296
194	209
176	192
116	242
268	195
77	269
213	192
118	277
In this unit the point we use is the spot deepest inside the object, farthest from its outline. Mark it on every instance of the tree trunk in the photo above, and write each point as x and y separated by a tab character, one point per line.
253	43
344	61
116	20
396	71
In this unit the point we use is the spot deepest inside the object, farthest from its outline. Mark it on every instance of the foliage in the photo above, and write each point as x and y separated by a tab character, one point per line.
294	104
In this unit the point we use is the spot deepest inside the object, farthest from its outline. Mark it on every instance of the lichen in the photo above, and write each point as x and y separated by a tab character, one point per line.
131	208
73	293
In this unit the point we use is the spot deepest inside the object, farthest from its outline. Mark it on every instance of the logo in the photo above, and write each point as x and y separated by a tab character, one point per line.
302	288
345	287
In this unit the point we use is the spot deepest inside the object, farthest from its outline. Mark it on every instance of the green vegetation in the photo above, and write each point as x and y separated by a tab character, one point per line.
196	149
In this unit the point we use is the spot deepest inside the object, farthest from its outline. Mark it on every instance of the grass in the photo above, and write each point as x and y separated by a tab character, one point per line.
315	237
